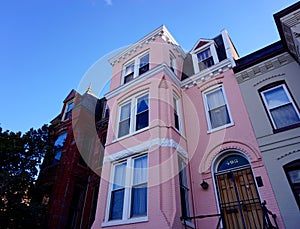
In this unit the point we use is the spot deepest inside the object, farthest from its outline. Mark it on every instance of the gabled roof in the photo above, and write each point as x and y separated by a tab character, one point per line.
201	42
70	96
159	32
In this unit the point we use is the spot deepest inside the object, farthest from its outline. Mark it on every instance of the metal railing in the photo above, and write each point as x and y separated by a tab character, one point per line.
267	222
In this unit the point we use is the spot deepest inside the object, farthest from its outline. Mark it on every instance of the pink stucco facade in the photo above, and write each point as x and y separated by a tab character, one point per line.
164	140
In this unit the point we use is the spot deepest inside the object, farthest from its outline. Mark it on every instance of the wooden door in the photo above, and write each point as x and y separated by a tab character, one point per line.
239	201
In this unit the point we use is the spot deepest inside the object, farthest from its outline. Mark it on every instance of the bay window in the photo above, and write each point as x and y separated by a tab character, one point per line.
176	112
134	115
184	189
128	196
280	106
136	67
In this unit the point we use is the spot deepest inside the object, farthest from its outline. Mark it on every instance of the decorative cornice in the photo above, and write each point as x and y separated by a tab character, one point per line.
145	146
160	68
207	74
267	78
159	32
264	67
287	154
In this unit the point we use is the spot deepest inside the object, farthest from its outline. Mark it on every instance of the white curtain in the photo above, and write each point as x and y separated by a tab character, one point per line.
120	175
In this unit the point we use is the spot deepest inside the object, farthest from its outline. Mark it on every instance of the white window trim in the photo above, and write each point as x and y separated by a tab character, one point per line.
173	62
213	51
136	62
178	111
127	194
204	93
133	102
268	108
66	109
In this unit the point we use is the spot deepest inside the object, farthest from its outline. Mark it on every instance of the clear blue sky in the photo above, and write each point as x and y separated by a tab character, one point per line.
47	46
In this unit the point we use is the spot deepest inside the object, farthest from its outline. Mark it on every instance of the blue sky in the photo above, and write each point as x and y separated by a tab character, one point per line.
48	46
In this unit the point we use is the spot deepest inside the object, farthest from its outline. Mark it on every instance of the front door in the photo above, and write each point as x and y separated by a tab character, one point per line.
238	197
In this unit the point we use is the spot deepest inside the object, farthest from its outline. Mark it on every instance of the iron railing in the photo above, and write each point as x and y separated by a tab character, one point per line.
267	222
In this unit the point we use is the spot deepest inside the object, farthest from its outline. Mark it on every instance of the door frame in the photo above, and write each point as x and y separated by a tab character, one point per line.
214	167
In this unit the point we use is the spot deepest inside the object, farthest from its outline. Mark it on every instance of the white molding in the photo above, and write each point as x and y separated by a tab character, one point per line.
159	32
145	146
156	70
206	74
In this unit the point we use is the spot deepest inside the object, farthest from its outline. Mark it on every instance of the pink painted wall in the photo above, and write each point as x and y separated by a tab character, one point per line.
204	147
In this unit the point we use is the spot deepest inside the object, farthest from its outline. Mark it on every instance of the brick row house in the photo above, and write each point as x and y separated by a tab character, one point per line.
69	177
197	139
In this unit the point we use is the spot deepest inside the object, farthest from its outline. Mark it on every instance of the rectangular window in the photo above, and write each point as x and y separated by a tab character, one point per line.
135	68
105	111
124	124
68	110
59	144
184	190
280	106
292	171
129	192
134	115
118	192
172	63
205	59
176	112
217	111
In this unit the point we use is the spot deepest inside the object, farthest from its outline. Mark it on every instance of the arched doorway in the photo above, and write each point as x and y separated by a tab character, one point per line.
239	201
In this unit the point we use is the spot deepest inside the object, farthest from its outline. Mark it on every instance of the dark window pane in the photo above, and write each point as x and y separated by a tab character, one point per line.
116	204
143	69
285	116
142	120
124	127
176	121
139	201
128	78
219	117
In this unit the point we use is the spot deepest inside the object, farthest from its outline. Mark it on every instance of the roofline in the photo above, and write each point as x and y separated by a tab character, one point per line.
258	56
160	31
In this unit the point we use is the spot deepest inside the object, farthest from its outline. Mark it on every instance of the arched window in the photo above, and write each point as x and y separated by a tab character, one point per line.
232	161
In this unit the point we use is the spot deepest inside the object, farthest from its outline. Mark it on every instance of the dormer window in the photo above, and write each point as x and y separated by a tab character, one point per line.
204	55
136	67
205	59
68	110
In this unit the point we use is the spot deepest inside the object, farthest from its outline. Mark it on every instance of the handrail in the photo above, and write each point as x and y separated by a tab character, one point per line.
267	221
184	218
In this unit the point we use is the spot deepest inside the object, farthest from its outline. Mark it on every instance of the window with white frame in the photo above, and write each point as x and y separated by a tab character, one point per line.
205	59
58	145
133	115
280	107
176	112
172	63
217	110
68	110
128	197
136	67
184	189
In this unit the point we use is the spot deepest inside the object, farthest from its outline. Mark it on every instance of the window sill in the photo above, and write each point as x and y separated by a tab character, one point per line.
188	223
220	128
127	221
130	134
296	125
